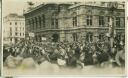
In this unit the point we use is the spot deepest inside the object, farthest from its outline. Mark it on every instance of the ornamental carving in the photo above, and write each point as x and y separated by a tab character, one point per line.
102	12
89	11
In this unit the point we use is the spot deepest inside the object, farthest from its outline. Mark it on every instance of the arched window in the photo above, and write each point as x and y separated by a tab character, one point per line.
36	24
101	21
55	37
75	36
29	23
39	21
89	37
74	19
33	24
118	22
101	37
43	20
54	20
89	20
118	36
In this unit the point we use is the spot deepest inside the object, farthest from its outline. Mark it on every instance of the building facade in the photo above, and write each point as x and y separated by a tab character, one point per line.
74	21
14	28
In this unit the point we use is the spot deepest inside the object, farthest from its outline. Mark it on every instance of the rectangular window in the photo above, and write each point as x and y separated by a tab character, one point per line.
101	20
20	34
16	33
43	17
108	20
10	39
23	28
56	23
10	23
117	21
89	20
74	21
36	22
33	24
52	22
39	21
10	33
15	23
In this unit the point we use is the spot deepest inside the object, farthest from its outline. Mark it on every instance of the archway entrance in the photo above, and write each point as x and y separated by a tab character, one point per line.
55	37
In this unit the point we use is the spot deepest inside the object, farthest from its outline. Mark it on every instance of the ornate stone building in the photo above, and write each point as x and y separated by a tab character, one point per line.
14	28
74	21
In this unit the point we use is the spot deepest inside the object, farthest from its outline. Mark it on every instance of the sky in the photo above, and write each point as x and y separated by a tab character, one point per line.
17	6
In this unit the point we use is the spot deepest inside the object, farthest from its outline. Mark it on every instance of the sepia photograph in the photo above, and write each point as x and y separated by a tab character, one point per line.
63	77
0	37
63	38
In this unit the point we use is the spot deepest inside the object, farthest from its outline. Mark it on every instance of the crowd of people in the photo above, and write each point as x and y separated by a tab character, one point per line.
69	54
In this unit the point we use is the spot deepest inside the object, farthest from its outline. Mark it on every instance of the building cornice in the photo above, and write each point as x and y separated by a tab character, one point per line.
76	28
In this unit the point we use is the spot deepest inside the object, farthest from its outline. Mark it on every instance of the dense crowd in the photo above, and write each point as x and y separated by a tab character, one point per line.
69	54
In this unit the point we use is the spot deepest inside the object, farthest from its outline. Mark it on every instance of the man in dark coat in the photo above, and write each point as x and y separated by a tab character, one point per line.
77	52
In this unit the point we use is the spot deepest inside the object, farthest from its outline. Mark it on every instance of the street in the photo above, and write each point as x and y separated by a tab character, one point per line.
87	70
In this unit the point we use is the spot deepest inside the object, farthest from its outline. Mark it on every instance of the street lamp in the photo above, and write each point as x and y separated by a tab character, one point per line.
112	7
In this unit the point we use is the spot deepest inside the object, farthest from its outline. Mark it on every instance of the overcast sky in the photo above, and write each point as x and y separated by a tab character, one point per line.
17	6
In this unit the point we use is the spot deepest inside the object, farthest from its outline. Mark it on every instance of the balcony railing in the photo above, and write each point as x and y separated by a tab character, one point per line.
74	28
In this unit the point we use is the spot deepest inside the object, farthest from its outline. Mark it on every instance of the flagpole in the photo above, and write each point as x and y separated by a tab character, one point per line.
112	6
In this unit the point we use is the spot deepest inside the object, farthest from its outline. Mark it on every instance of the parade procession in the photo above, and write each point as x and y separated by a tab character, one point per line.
76	54
66	36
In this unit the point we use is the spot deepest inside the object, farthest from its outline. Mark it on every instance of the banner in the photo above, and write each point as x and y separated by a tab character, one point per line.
31	34
43	38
